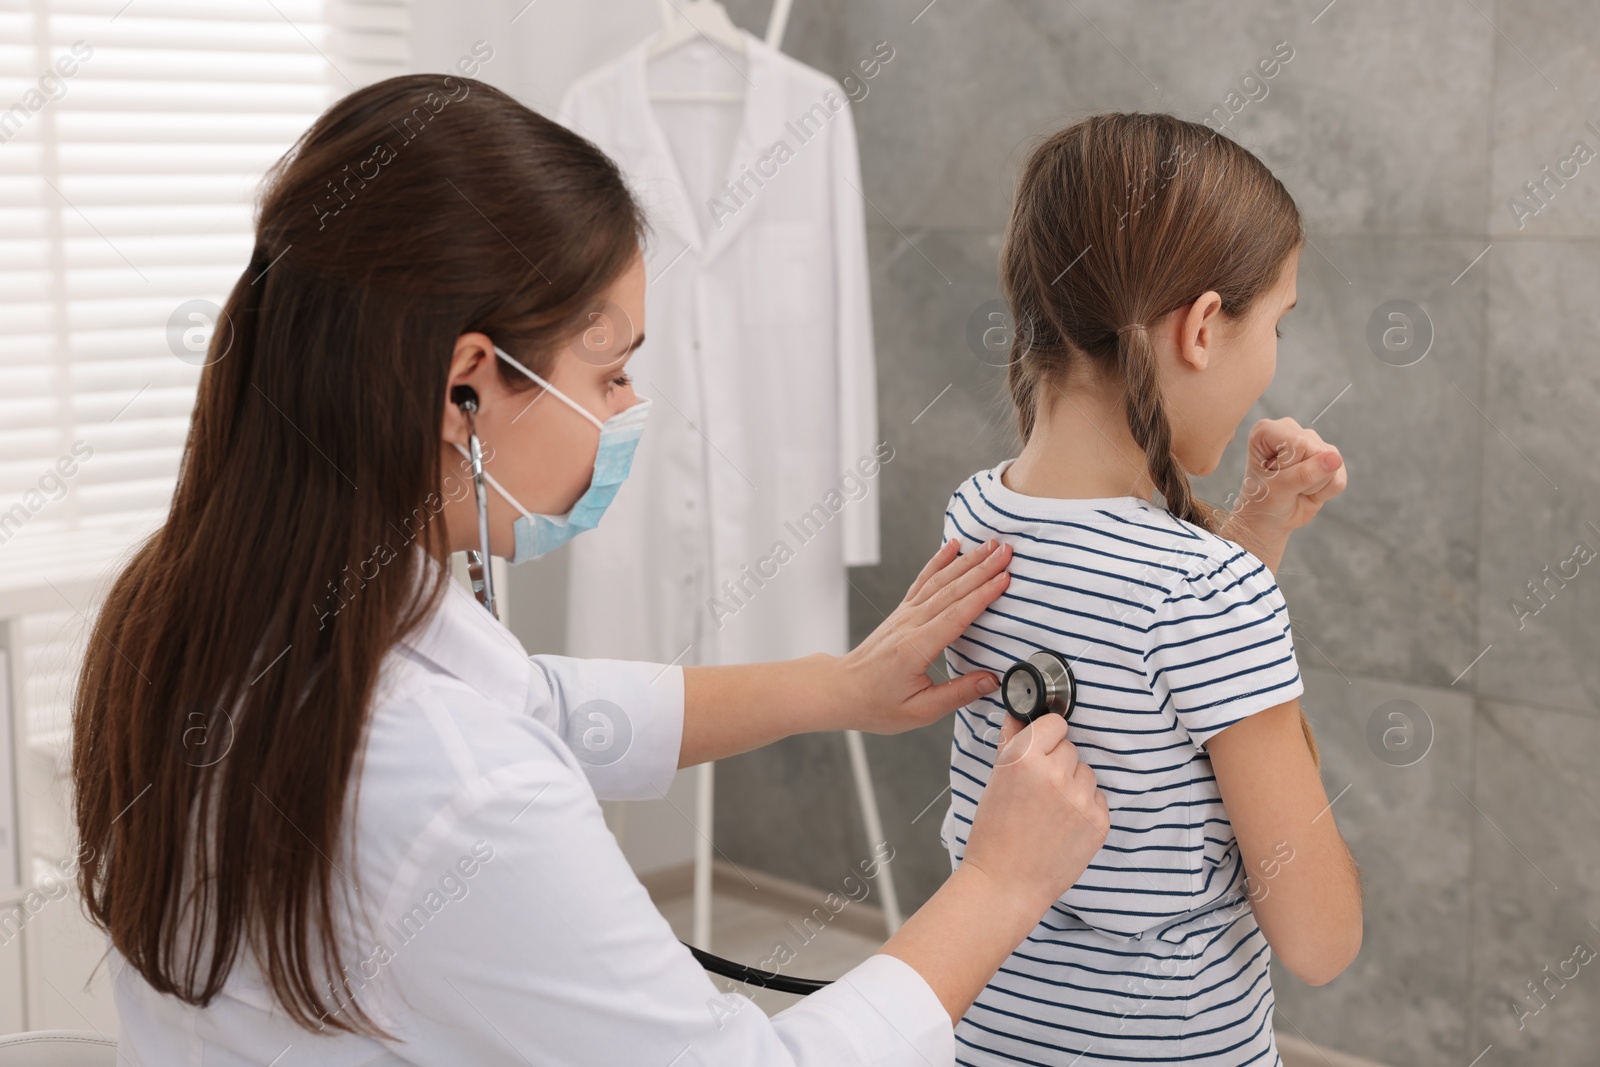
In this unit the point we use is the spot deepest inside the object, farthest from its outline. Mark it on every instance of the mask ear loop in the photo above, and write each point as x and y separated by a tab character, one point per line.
478	563
552	390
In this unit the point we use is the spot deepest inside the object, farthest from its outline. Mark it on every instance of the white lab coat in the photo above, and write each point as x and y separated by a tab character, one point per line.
506	926
758	350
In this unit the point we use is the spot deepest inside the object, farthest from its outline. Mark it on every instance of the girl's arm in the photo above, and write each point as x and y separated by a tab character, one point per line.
881	686
1303	883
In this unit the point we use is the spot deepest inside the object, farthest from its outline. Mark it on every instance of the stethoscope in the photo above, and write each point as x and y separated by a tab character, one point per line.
482	576
1041	684
478	569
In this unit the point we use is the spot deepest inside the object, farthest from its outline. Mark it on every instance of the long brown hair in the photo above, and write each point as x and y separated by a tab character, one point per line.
1118	220
226	688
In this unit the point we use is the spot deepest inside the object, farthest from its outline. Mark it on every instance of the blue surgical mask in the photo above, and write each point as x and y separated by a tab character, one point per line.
537	534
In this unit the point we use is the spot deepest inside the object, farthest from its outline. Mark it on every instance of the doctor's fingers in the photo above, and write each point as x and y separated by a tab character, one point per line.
1055	760
943	617
952	570
1041	753
939	559
1010	726
1046	739
1043	738
962	574
936	701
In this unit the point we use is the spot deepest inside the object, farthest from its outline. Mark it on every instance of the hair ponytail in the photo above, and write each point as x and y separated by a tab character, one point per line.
1152	430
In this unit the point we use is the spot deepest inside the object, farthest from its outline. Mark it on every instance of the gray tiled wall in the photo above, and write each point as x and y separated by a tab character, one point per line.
1402	130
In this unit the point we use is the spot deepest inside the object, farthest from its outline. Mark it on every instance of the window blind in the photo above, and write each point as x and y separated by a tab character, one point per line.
133	136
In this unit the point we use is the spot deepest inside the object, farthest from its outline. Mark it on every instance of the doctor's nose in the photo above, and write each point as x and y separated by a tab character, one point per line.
622	399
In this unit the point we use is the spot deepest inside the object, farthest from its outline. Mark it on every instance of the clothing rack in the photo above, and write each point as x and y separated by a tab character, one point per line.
708	19
777	23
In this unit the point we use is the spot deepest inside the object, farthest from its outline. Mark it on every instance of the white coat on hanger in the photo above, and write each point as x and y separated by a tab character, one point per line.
729	541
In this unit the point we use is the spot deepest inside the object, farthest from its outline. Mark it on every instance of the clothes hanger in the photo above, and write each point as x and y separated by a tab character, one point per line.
697	18
712	18
709	20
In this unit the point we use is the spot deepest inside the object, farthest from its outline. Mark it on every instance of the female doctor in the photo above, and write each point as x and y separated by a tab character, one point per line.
327	808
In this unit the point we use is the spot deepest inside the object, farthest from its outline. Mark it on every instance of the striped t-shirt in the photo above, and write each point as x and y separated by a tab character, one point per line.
1174	634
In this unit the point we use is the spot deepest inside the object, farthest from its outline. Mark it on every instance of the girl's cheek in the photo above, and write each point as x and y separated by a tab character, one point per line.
1268	366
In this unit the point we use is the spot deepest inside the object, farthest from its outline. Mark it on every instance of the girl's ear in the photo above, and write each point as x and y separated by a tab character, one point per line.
1198	330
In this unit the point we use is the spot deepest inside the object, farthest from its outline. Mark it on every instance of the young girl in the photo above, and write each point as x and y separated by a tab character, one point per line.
1146	264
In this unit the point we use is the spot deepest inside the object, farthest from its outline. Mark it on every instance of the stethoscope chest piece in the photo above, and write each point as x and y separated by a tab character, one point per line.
1039	685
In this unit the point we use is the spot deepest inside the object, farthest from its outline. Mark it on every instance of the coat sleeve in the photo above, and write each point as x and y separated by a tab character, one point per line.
858	382
622	719
522	936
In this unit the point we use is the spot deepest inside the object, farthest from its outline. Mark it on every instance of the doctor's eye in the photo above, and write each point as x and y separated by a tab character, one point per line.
621	380
1278	330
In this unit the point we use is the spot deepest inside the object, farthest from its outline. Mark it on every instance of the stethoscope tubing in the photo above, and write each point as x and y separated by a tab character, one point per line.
739	972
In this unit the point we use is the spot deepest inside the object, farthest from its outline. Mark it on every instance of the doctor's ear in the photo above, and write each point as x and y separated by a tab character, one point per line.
473	376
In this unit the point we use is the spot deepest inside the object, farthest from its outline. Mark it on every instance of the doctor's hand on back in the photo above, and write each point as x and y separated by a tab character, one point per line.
1039	821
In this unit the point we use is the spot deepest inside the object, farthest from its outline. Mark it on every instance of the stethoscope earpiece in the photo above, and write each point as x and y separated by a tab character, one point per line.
478	568
1041	684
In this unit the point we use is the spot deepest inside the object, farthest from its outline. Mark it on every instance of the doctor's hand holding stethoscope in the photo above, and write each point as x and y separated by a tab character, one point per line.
402	861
